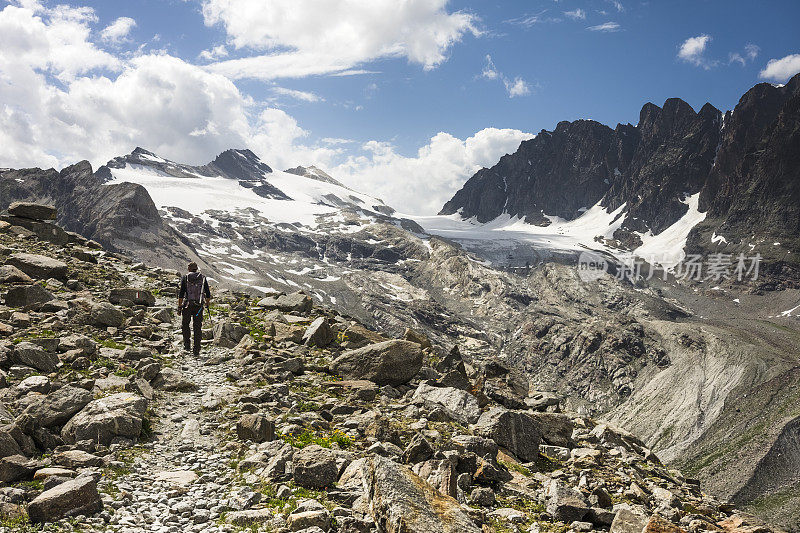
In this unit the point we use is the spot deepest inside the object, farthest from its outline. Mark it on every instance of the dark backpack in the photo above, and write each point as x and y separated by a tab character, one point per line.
194	288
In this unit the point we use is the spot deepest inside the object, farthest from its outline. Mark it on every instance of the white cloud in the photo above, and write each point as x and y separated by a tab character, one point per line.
214	53
103	106
780	70
295	38
750	53
576	14
606	27
692	51
515	87
305	96
617	5
118	30
422	184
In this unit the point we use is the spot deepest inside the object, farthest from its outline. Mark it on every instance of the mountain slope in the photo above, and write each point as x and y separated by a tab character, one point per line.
744	166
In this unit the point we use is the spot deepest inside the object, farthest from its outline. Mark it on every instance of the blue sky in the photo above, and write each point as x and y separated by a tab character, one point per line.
438	90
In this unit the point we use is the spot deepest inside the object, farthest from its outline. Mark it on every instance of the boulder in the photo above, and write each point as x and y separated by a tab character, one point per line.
415	336
419	449
32	211
515	431
319	333
77	496
39	266
29	354
77	459
256	428
8	445
227	334
357	336
16	468
297	302
566	504
556	428
169	379
118	415
137	296
46	231
11	274
28	296
391	362
59	406
310	515
459	405
104	314
77	342
401	502
628	521
504	385
315	467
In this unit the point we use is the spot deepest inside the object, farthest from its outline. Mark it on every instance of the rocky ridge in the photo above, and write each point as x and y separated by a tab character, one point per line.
109	427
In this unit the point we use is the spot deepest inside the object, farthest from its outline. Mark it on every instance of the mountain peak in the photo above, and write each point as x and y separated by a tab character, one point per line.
241	164
314	173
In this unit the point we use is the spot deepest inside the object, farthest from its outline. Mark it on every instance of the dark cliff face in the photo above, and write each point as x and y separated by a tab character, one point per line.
745	167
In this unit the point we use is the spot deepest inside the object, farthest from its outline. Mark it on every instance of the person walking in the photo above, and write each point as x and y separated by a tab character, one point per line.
193	295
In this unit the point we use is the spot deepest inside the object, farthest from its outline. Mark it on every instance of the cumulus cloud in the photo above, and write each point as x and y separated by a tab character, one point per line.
423	183
692	51
606	27
294	38
576	14
515	87
118	30
780	70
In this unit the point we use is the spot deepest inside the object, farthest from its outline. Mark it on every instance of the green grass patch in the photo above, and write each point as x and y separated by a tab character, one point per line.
326	440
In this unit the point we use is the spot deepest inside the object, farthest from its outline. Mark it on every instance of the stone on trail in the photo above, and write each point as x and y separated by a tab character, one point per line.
319	333
177	478
391	362
249	517
77	459
170	379
401	502
77	496
256	428
227	334
28	296
39	266
315	467
32	211
27	353
459	405
104	314
118	415
515	431
137	296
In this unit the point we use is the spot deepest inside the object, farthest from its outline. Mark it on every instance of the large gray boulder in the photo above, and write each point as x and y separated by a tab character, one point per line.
385	363
515	431
118	415
28	296
39	266
137	296
227	334
104	314
11	274
8	445
77	496
556	428
16	468
315	467
297	302
255	427
319	333
59	406
459	405
27	353
32	211
402	502
565	503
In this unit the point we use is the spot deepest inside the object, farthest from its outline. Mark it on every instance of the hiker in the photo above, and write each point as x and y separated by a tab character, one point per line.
192	297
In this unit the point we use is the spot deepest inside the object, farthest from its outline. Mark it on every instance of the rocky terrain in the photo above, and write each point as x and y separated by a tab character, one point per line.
294	418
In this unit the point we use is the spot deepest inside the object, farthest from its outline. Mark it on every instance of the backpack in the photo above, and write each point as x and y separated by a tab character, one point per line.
194	289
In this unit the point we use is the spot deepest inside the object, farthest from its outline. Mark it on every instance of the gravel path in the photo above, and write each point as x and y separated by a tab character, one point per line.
179	479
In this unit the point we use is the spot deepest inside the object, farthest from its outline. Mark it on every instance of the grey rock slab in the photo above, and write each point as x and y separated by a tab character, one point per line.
78	496
32	355
515	431
28	296
118	415
458	404
39	266
391	362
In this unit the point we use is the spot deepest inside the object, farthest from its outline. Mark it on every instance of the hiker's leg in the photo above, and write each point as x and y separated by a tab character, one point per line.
197	322
186	316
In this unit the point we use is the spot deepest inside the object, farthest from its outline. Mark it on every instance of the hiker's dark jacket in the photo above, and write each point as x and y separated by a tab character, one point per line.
182	292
